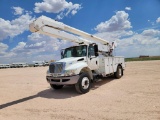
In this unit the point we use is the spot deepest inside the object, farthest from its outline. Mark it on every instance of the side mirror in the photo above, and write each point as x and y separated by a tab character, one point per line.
62	54
96	50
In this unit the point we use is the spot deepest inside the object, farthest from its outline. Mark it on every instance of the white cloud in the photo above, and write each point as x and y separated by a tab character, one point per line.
18	10
10	29
115	35
158	20
60	16
35	37
139	44
151	32
19	47
134	44
14	27
130	44
24	49
38	47
3	48
52	44
118	22
128	8
57	6
151	22
5	54
37	44
27	48
74	12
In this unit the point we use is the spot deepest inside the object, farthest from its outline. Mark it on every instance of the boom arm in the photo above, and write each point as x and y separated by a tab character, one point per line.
45	25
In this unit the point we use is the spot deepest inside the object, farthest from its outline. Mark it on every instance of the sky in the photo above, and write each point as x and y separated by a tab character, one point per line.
133	24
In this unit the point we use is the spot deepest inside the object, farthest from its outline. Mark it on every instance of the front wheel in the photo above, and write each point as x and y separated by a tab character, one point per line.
56	86
83	84
119	73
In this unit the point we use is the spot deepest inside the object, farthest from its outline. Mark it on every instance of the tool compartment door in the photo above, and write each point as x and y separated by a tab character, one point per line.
108	65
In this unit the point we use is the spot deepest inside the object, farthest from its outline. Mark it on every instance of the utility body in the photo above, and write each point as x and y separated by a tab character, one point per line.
81	64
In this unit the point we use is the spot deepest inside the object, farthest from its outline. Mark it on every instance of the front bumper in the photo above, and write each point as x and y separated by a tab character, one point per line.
62	80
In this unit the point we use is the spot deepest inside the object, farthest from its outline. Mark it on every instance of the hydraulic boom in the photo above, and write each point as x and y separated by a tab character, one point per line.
45	25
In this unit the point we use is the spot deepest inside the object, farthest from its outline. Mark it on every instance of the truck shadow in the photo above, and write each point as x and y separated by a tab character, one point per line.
2	106
101	82
66	92
69	91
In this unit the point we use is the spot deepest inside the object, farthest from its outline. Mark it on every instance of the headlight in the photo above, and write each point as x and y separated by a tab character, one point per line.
69	72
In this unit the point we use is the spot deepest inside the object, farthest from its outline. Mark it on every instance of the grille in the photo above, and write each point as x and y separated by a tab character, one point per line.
56	68
55	80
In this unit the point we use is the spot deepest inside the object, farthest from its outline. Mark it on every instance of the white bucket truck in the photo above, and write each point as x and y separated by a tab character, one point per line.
81	64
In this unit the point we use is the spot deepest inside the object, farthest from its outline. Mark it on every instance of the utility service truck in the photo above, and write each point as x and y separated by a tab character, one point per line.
82	64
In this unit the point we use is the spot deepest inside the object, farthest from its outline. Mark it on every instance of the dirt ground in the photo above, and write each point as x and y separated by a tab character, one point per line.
25	95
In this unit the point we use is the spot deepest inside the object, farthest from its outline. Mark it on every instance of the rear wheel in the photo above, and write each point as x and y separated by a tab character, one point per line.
56	86
83	84
119	73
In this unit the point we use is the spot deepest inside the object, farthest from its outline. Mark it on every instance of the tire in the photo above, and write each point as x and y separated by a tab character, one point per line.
119	73
56	86
84	83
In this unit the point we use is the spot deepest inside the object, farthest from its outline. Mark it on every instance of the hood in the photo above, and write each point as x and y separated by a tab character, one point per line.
71	59
72	62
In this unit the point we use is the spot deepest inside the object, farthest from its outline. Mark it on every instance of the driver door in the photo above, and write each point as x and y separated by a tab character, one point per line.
93	61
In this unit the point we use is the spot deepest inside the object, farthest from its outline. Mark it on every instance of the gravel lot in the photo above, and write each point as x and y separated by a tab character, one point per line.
25	95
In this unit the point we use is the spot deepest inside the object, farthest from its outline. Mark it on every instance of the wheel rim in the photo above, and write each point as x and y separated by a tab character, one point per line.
120	71
85	83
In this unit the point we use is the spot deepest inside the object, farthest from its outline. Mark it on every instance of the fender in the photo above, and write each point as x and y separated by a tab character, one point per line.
77	66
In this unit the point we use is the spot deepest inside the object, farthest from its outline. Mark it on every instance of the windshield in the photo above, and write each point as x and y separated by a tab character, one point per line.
76	51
